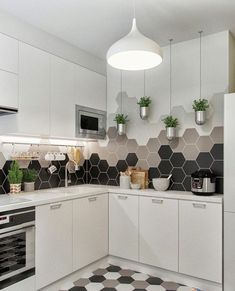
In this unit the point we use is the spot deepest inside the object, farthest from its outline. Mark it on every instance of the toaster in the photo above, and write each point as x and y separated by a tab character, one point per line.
203	182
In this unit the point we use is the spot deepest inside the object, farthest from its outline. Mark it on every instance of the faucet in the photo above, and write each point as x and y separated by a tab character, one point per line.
66	172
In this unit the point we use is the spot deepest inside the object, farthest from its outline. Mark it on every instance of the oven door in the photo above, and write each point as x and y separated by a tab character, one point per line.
17	252
90	123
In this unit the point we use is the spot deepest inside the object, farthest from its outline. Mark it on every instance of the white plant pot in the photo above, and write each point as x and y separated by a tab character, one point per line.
15	188
144	112
29	186
200	117
170	133
121	128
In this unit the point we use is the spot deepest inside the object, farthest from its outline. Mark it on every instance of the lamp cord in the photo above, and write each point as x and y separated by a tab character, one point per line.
134	8
170	40
121	105
144	81
200	85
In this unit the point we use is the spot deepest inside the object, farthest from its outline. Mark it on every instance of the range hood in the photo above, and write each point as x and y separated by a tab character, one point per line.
7	110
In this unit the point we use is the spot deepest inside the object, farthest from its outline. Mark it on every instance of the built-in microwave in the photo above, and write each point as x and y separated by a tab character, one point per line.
90	123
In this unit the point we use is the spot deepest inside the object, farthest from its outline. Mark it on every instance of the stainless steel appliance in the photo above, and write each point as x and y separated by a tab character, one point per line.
203	182
90	123
17	245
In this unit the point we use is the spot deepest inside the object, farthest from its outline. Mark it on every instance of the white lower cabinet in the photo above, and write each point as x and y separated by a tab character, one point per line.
123	226
200	240
158	232
90	230
54	256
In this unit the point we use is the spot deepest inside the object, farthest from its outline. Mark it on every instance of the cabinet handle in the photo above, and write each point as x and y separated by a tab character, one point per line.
92	199
56	206
122	197
199	205
157	201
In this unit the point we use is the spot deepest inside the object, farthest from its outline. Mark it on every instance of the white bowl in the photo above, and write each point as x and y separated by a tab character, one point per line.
161	184
135	186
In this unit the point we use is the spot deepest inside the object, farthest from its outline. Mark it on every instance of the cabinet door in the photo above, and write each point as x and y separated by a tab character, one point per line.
123	226
159	232
53	242
90	88
200	240
34	91
62	98
8	89
9	58
90	230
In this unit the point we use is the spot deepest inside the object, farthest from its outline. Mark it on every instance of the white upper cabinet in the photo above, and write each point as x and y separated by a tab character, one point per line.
90	88
123	226
62	98
8	90
9	48
200	240
34	91
158	235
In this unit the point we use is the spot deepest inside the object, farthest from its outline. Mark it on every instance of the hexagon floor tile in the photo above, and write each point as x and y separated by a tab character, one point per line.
117	279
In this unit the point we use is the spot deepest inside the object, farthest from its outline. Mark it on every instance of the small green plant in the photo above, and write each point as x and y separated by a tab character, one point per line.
144	101
200	104
30	175
121	118
170	121
15	174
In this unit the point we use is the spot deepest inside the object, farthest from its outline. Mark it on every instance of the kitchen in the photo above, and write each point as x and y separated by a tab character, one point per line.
81	131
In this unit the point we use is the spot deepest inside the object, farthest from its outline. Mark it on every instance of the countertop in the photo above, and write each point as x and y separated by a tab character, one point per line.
40	197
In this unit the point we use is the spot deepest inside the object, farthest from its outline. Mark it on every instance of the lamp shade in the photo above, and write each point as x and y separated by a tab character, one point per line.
134	52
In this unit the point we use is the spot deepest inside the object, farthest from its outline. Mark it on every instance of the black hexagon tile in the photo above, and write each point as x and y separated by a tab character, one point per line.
121	166
165	152
190	167
165	167
94	159
177	159
131	159
217	151
204	160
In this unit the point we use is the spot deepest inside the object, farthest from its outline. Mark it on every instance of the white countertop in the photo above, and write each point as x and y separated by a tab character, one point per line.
40	197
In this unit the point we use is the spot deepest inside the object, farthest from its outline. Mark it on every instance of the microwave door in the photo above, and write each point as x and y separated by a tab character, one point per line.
89	123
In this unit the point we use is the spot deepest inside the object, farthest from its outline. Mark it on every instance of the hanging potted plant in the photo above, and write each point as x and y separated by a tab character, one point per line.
200	106
171	123
15	175
29	178
121	120
144	103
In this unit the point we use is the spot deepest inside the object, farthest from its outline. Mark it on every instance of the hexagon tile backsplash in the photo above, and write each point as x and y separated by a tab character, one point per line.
181	157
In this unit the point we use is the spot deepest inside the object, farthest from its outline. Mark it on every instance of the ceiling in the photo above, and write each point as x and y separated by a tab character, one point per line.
94	25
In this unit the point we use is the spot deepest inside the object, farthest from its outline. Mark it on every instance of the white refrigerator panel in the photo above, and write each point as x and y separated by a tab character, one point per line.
229	153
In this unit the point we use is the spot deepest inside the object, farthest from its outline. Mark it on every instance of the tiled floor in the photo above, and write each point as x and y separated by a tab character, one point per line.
113	278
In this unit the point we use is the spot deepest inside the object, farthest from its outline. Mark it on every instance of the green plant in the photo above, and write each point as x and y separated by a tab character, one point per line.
15	174
121	118
30	175
144	101
200	104
170	121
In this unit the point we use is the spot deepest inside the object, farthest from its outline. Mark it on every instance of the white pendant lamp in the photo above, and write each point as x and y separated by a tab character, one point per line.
134	52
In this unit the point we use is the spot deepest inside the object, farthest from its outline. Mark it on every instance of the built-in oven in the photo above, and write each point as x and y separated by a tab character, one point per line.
90	123
17	245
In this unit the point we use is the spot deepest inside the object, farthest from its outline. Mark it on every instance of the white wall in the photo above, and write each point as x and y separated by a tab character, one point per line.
29	34
185	87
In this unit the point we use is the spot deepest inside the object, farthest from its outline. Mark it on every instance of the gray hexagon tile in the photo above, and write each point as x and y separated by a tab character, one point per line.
190	136
112	132
122	152
142	164
142	152
204	143
112	146
190	152
131	145
153	145
153	159
177	144
162	137
217	134
121	139
2	160
112	159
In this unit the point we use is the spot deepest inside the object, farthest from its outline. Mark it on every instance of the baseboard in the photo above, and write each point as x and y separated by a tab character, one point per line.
166	275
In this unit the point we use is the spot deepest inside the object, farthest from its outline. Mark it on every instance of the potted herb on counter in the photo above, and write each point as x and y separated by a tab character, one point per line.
15	175
144	103
170	123
121	120
29	178
200	106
